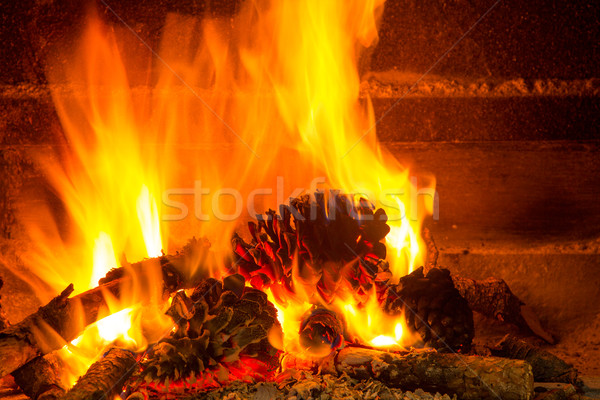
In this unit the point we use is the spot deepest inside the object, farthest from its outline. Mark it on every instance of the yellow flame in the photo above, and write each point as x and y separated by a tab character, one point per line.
403	240
148	217
104	258
215	122
116	326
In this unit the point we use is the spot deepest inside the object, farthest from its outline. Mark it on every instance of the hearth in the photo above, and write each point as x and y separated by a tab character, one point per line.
299	200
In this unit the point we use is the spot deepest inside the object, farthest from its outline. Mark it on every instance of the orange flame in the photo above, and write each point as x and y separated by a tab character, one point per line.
219	130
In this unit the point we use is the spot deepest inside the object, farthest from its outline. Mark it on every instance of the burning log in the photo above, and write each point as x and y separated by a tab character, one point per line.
469	377
546	366
170	268
40	378
26	340
105	378
57	322
51	326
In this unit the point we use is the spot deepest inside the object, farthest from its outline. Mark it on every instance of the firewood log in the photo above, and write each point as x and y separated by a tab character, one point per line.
491	297
60	320
40	378
26	340
546	366
51	326
469	377
105	378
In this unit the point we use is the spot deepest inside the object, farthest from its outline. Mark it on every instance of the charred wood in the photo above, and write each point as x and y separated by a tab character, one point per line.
105	378
432	251
171	269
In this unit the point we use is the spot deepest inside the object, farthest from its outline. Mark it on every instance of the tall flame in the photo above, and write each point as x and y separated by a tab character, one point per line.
234	116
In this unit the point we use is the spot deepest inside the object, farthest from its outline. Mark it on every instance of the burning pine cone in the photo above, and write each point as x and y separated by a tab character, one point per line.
221	323
434	308
331	241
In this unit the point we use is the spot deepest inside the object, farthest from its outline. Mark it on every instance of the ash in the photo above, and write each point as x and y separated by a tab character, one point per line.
306	386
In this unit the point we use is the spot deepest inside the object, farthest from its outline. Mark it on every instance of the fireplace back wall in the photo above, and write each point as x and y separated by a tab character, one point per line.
505	115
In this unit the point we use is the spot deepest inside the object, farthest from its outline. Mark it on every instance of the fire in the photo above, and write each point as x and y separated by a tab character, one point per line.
209	126
104	258
149	222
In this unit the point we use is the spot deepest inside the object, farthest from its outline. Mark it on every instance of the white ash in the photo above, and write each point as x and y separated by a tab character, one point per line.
306	386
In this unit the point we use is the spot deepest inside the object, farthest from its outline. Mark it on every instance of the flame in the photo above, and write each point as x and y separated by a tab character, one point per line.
232	117
149	222
403	239
104	258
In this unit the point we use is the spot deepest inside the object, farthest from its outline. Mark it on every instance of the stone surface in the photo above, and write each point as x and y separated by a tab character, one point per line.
533	39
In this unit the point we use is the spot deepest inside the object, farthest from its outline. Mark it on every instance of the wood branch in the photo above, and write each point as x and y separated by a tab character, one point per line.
24	341
105	378
546	366
63	318
469	377
46	330
174	269
491	297
40	378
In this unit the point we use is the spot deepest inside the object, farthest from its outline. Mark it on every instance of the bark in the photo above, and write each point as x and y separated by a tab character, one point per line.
26	340
105	378
40	378
491	297
46	330
63	319
546	366
469	377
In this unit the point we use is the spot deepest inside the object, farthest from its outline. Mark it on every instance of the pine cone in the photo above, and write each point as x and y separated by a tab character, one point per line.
336	241
220	323
433	308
